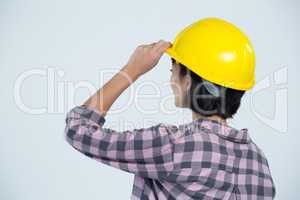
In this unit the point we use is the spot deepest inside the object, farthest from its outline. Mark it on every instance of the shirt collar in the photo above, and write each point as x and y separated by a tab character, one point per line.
221	129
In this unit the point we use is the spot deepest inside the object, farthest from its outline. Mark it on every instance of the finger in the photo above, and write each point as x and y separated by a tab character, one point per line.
161	46
157	45
141	46
145	47
152	44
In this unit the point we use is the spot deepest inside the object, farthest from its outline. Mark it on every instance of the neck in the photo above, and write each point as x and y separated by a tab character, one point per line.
196	116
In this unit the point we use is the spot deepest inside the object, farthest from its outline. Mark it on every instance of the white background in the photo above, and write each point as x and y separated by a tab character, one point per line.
81	38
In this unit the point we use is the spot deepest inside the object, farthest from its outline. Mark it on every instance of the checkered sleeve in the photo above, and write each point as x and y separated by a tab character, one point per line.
146	152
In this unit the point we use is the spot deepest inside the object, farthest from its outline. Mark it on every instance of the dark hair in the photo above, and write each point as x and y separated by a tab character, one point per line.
201	101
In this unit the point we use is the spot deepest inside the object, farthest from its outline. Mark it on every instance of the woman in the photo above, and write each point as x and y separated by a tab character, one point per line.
212	67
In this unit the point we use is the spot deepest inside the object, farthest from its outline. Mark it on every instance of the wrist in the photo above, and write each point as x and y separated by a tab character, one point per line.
130	72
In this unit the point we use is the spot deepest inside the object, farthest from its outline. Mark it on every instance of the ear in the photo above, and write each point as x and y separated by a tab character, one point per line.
187	82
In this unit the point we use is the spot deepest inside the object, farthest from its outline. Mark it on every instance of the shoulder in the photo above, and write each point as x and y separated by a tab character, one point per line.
259	154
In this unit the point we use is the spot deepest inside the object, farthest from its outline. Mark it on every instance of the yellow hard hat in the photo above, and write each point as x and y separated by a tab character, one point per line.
217	51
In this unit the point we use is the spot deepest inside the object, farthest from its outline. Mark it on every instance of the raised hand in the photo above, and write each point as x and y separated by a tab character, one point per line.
146	56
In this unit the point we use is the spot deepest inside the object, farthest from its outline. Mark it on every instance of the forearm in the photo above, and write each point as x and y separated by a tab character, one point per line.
143	59
106	96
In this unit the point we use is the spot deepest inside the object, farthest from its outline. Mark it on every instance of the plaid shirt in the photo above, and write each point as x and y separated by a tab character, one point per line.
203	159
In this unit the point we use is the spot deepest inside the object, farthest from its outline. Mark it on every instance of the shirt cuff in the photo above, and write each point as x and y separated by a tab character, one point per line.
89	113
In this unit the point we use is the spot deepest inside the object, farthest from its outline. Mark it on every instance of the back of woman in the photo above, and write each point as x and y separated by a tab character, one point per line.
216	161
213	66
203	159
